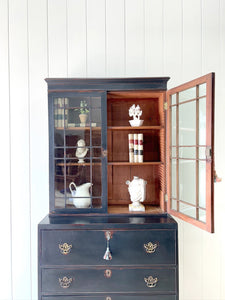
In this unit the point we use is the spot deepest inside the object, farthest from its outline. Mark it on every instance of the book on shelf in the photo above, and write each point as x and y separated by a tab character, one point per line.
131	147
135	142
135	147
140	147
61	112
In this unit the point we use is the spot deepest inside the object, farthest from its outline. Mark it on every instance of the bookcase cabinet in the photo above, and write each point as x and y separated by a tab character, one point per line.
101	250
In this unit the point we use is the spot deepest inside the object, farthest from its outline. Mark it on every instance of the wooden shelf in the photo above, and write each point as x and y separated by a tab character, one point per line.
78	164
147	163
78	128
124	209
112	128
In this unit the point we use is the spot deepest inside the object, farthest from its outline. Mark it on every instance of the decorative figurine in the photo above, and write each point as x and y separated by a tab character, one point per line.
137	190
81	194
81	151
135	112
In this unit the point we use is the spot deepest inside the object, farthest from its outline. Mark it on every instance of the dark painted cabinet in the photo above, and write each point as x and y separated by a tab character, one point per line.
144	258
92	245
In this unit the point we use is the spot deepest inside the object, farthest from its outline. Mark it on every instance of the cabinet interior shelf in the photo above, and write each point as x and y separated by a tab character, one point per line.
78	164
147	163
112	128
79	128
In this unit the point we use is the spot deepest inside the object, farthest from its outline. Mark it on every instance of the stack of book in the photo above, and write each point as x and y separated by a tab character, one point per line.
135	147
61	112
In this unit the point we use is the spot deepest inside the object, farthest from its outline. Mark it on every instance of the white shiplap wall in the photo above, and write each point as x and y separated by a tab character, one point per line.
182	39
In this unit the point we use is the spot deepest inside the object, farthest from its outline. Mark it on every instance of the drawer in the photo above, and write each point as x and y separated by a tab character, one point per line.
102	280
112	297
128	247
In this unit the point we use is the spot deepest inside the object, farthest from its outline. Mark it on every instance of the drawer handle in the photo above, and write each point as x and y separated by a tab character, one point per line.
65	282
150	247
107	255
65	248
150	281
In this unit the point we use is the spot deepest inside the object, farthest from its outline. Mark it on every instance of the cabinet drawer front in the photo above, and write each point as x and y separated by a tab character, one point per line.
136	247
101	280
112	297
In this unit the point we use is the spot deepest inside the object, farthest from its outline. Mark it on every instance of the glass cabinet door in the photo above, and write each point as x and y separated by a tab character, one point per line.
191	160
78	160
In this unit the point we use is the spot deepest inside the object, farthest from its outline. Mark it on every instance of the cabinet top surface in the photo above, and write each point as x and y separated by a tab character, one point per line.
142	83
162	221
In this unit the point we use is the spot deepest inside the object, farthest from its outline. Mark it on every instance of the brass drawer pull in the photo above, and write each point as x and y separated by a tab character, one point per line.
150	281
107	255
65	248
150	247
65	282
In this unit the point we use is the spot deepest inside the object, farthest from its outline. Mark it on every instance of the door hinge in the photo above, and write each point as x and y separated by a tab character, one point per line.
166	198
165	105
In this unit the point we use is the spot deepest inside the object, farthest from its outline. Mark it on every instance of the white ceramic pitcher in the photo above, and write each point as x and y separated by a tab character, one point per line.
81	194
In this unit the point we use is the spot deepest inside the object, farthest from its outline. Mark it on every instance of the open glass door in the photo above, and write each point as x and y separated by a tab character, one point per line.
190	163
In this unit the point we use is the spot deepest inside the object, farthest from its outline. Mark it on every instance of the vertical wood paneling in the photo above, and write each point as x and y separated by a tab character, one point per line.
115	38
192	40
210	60
5	220
77	37
153	37
57	38
134	38
220	158
172	44
38	66
96	56
192	263
20	152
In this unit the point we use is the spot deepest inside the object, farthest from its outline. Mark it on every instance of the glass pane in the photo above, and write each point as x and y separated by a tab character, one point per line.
187	124
188	94
95	112
96	139
174	204
59	137
202	121
187	181
202	215
76	134
202	183
96	178
173	125
174	152
78	185
187	210
78	111
173	99
202	90
59	152
187	152
174	178
202	152
61	112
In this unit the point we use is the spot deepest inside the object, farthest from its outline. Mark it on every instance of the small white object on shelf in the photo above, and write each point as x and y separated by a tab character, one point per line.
81	151
135	112
81	197
137	190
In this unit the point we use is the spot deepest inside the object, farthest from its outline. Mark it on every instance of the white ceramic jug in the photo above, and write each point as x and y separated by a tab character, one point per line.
81	194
